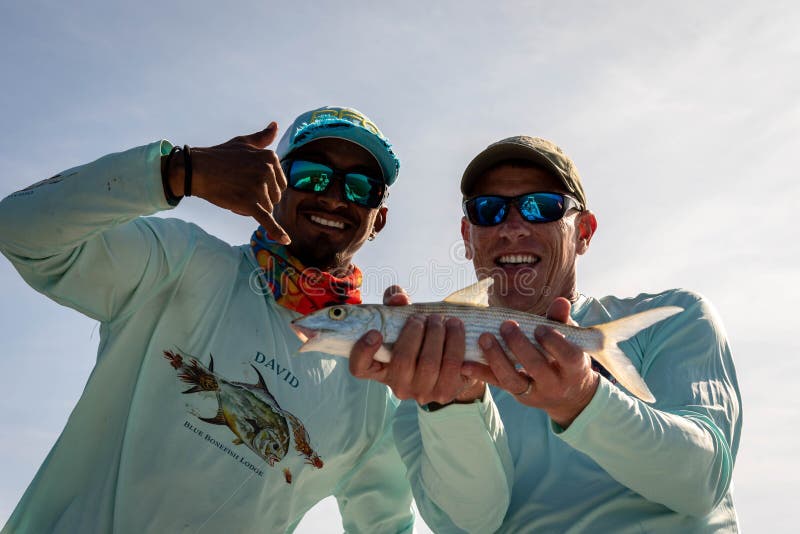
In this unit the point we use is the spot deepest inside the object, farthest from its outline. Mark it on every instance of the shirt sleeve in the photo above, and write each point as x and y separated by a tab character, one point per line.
79	239
680	451
375	495
458	462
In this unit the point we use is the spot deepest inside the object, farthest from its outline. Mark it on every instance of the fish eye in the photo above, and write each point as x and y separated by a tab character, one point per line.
337	314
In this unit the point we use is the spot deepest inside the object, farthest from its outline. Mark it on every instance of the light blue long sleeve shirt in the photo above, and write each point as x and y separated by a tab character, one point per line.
621	466
263	437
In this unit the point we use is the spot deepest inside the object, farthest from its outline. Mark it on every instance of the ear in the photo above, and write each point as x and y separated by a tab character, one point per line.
380	219
466	228
586	225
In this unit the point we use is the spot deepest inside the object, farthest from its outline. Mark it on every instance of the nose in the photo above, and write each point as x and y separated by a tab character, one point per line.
333	197
514	227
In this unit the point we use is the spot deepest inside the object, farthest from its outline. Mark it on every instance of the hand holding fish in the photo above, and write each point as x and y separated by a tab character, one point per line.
426	358
335	329
238	175
556	375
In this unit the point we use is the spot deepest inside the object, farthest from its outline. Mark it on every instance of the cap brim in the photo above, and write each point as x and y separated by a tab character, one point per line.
347	131
498	153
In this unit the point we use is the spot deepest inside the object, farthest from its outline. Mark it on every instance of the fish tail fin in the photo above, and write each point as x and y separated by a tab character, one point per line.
615	361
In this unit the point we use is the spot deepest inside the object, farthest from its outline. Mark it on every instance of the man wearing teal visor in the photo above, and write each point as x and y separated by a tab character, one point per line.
197	416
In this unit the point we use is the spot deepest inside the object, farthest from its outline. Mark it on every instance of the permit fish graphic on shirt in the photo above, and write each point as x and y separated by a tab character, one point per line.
250	411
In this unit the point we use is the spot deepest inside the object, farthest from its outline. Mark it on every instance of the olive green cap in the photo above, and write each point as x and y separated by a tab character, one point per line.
534	149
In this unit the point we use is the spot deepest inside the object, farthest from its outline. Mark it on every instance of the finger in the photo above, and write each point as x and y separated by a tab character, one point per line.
430	358
471	390
531	358
450	381
559	311
362	357
273	229
275	162
263	200
569	357
480	372
406	349
261	139
396	296
507	375
271	187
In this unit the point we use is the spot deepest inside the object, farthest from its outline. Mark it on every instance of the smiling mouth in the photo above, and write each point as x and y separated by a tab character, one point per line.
517	260
328	223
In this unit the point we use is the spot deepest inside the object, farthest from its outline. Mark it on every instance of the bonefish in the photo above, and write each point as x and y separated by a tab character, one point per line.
335	330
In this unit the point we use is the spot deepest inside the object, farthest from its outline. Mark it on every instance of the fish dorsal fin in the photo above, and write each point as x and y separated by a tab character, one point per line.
475	295
262	385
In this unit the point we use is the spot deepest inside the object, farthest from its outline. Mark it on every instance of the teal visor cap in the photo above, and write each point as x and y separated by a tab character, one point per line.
341	123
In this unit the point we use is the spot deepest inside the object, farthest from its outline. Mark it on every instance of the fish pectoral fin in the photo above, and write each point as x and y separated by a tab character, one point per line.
218	419
475	295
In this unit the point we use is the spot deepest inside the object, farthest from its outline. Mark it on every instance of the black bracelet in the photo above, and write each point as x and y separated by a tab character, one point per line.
172	199
187	171
435	406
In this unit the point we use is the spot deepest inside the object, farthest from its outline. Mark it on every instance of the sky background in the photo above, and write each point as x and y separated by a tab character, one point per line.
683	118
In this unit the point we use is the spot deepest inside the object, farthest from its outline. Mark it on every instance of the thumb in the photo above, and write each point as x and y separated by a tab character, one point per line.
559	311
264	138
395	296
362	364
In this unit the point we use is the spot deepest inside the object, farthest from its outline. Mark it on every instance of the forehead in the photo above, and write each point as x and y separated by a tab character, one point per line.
338	153
510	180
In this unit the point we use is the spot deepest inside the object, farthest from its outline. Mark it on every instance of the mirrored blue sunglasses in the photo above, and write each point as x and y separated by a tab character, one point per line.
540	207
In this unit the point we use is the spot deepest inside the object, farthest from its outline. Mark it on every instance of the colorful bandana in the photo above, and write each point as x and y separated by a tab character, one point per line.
299	288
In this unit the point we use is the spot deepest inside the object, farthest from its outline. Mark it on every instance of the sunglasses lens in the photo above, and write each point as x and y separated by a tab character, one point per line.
487	211
541	207
309	176
534	207
359	189
363	190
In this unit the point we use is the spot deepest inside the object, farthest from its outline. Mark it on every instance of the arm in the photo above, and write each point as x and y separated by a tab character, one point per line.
68	237
77	237
680	452
375	496
456	455
458	463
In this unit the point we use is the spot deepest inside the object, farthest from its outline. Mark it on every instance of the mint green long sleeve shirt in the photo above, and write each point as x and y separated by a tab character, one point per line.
621	466
158	443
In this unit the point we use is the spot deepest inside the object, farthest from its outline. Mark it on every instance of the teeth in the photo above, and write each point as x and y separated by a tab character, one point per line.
327	222
516	258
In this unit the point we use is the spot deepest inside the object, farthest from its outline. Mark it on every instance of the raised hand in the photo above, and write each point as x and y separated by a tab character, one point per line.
239	175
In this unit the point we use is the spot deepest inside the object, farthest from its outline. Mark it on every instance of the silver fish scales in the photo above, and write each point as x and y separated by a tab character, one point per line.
336	329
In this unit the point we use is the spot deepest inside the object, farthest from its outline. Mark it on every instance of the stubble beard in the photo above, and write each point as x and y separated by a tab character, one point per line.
323	256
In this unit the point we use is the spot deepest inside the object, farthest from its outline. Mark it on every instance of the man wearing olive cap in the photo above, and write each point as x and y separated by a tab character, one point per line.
555	444
197	415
